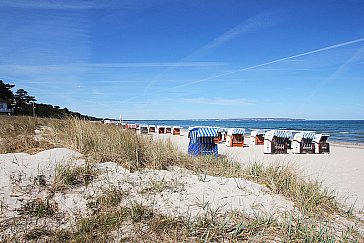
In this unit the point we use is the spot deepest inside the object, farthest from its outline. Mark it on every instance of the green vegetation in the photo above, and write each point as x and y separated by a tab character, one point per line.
38	208
314	221
25	105
17	134
109	200
71	176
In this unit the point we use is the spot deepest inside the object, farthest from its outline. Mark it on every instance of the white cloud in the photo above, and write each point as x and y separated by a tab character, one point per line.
217	101
250	25
347	43
63	67
44	37
52	4
154	64
293	60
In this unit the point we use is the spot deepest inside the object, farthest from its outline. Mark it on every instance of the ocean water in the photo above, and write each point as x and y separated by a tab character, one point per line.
351	131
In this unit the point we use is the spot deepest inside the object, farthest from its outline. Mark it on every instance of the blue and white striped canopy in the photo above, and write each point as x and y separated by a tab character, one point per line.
278	133
304	135
318	137
206	132
308	135
239	131
282	134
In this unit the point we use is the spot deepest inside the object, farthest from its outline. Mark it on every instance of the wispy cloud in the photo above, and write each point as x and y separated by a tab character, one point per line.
252	24
293	60
253	67
52	4
357	55
155	64
44	37
274	61
217	101
286	69
75	68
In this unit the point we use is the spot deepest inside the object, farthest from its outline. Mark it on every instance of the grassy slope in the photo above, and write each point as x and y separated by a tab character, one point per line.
317	206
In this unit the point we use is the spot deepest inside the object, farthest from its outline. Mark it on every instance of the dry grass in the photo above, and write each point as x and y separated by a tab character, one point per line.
102	143
38	208
110	143
68	176
309	195
138	223
17	134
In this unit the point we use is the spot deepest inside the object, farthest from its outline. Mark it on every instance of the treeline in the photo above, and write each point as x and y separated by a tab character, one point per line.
24	104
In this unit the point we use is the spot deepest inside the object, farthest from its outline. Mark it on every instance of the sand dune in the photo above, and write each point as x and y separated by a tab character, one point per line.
177	192
341	170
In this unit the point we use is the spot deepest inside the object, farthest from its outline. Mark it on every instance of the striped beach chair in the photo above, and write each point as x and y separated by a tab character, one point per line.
277	141
303	143
320	143
202	141
152	129
176	130
257	137
235	137
221	135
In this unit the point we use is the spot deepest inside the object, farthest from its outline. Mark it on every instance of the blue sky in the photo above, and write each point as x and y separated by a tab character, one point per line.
159	59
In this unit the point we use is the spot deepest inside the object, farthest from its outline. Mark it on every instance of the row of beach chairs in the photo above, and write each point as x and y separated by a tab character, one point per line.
204	140
153	129
274	141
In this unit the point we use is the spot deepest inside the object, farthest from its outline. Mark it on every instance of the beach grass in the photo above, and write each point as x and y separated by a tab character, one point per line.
317	205
67	176
17	134
137	222
38	208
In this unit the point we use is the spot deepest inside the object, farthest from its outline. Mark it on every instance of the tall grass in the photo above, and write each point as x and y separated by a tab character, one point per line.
138	223
309	195
17	134
102	143
110	143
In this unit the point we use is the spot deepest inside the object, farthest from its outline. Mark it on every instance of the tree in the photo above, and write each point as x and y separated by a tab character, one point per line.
22	96
23	102
6	93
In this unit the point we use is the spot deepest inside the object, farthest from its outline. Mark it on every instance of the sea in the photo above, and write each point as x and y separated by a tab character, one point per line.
349	131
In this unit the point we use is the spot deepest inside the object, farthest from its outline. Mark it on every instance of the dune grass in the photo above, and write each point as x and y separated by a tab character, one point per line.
110	143
99	142
38	208
137	222
68	176
103	143
17	134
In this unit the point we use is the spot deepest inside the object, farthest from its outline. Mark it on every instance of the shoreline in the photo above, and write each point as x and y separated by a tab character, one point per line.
347	144
332	141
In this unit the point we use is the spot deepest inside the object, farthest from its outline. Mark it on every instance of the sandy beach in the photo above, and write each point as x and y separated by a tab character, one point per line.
58	189
342	170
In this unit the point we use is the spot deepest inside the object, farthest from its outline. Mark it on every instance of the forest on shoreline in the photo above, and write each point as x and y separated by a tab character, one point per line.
23	104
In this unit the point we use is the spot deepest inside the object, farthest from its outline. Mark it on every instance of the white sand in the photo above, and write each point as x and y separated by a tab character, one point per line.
177	192
341	170
18	172
188	195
